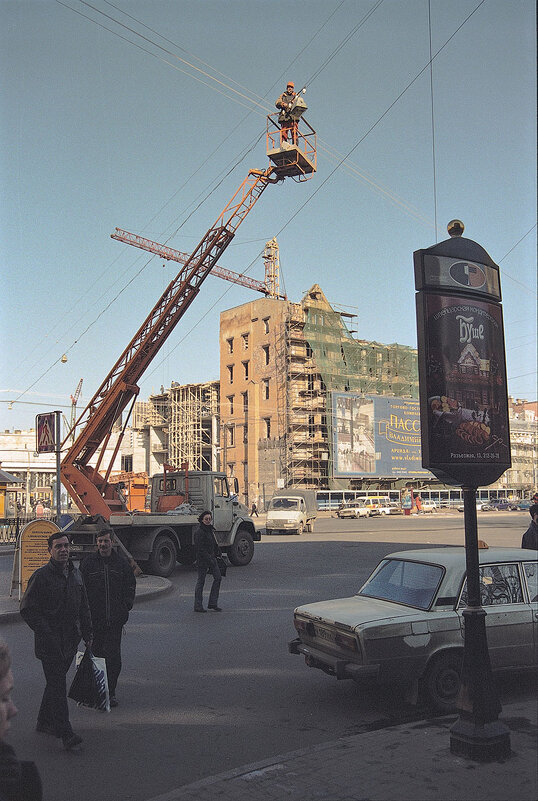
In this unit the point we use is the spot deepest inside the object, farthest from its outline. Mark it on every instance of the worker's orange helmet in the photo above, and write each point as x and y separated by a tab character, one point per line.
290	83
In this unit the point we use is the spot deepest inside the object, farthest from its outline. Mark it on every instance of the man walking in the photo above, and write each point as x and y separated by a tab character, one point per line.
55	606
111	585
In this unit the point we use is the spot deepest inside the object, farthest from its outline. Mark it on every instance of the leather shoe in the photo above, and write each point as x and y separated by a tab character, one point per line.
113	701
71	740
200	610
215	608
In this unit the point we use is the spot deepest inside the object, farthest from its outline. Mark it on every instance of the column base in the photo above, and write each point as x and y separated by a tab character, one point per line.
482	742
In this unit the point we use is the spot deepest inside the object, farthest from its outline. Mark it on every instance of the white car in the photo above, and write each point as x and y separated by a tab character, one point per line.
390	509
481	506
406	623
428	506
354	509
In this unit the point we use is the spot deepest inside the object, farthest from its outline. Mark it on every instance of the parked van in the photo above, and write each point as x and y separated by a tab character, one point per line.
375	502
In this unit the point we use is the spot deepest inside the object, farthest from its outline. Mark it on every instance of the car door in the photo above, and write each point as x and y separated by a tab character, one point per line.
509	617
222	507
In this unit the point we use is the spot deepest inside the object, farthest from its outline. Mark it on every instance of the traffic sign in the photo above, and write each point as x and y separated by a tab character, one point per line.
45	427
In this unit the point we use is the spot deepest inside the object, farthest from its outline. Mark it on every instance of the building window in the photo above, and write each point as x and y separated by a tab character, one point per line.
267	421
245	434
231	436
231	402
245	368
244	337
309	353
127	463
265	385
245	401
231	373
266	325
265	349
231	469
230	343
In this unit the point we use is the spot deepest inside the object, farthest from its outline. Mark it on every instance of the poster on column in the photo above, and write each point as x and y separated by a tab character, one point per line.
466	415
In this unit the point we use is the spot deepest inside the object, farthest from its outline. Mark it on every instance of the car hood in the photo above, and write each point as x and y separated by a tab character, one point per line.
356	610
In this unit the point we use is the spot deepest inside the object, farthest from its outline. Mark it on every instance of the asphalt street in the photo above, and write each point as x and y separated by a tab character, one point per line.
203	694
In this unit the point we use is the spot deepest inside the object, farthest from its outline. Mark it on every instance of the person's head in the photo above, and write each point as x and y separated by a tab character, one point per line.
104	543
290	87
534	498
533	511
8	709
205	518
58	545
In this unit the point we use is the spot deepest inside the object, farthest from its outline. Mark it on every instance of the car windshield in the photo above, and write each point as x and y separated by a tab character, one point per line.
403	582
284	503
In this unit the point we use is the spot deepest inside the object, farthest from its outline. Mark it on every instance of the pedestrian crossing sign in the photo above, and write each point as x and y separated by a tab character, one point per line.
45	439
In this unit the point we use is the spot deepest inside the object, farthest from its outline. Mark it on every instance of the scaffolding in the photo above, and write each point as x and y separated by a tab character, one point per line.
318	355
193	435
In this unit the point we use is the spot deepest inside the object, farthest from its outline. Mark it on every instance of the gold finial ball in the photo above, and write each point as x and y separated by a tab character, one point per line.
455	228
63	359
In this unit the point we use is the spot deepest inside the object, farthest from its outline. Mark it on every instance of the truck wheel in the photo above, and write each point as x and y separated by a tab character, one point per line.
310	527
242	549
163	557
442	680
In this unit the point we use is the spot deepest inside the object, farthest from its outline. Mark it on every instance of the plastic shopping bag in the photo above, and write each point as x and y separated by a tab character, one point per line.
90	684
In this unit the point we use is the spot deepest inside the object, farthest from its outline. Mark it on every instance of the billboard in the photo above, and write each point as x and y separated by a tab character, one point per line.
376	435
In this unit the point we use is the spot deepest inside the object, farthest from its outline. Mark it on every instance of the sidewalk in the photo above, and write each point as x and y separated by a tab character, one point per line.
146	587
411	762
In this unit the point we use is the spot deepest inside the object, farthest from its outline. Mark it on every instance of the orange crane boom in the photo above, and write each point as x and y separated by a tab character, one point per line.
88	485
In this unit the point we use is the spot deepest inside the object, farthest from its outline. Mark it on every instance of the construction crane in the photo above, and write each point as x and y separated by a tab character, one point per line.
170	254
88	485
74	401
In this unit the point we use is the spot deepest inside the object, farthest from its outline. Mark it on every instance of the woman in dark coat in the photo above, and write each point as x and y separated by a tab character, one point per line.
206	550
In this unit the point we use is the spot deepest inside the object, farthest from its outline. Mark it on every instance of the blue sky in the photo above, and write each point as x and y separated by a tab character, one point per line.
103	128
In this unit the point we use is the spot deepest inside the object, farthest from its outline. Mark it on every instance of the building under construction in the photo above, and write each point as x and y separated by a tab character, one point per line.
280	364
181	426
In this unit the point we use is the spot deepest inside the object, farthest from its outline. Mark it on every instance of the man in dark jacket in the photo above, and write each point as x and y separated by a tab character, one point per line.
111	585
287	123
55	606
206	551
530	537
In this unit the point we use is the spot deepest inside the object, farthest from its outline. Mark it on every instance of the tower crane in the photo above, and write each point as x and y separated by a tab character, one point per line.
74	401
166	252
89	485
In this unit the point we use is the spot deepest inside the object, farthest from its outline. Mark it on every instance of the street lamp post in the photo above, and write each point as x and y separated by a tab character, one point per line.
477	734
465	440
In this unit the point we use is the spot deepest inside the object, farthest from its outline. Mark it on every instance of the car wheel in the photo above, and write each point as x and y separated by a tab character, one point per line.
242	550
299	530
442	680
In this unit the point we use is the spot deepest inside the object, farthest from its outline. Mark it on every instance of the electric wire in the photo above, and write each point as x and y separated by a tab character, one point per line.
432	118
342	161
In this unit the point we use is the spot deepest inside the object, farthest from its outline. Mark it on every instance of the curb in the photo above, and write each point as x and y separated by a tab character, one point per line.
143	594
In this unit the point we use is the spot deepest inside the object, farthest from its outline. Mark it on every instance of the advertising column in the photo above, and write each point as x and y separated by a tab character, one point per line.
465	439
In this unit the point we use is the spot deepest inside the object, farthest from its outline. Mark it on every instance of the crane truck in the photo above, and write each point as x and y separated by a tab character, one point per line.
164	535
